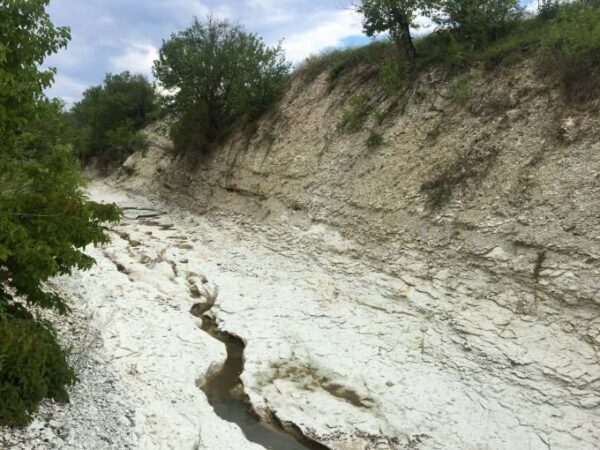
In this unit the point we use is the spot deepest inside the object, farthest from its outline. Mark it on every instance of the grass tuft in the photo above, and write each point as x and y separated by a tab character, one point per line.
355	114
375	140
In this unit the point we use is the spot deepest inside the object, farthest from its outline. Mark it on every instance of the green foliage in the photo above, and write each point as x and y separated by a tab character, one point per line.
375	140
393	76
32	367
548	9
477	21
571	48
394	17
219	74
356	113
339	62
461	91
566	47
524	39
110	116
45	218
27	36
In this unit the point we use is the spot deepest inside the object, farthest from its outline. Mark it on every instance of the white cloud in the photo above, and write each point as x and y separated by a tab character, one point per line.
273	12
329	33
188	8
137	58
532	6
69	89
117	35
423	25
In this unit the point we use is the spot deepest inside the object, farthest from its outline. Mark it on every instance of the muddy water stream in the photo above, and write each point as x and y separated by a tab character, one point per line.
225	393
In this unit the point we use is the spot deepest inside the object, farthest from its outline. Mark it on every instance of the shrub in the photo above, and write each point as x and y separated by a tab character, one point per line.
339	62
478	21
110	116
571	48
548	9
356	113
461	91
190	132
45	218
375	140
32	367
392	76
523	40
218	73
124	140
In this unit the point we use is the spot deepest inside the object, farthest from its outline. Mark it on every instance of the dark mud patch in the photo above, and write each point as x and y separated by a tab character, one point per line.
225	393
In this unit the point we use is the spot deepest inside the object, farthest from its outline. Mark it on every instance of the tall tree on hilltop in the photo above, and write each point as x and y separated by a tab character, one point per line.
394	17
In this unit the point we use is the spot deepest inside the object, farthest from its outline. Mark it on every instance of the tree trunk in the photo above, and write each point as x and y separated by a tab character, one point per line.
404	41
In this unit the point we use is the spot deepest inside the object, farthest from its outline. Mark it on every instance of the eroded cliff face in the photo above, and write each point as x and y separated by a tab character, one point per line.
470	239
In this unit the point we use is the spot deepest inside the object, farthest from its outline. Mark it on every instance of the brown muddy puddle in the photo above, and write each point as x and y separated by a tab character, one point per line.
225	393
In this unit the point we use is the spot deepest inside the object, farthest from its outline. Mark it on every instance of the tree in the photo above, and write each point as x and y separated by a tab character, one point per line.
45	218
548	9
477	21
217	73
27	36
394	17
109	117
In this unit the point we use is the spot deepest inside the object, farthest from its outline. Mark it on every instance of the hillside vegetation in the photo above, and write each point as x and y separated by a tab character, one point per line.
220	78
564	39
45	218
107	120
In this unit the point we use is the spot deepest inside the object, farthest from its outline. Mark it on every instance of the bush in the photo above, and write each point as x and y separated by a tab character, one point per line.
110	116
189	132
478	22
392	76
32	367
548	9
45	218
124	140
523	40
356	113
219	74
339	62
571	48
461	91
375	140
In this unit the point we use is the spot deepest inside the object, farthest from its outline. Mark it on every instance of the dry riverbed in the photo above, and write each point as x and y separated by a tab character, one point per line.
334	350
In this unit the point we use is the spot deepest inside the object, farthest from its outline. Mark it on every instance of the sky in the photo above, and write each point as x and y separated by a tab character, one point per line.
117	35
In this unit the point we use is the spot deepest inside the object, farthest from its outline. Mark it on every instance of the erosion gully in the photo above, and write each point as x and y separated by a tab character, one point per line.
225	393
224	389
